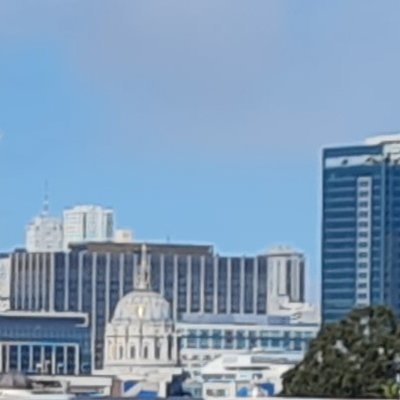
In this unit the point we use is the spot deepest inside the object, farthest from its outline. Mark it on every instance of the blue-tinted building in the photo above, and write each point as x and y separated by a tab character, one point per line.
92	278
52	343
361	227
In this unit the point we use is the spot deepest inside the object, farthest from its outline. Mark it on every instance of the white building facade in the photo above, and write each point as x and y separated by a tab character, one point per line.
44	234
87	223
140	341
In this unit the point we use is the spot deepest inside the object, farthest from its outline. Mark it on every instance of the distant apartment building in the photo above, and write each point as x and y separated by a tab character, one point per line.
361	226
44	234
87	223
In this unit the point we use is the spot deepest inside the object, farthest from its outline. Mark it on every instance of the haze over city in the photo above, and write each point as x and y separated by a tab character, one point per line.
197	121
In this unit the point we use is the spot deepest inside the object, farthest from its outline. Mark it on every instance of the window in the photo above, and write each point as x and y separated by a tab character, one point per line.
362	275
362	265
145	352
363	193
121	352
362	285
363	224
133	352
363	204
362	296
157	351
363	183
363	214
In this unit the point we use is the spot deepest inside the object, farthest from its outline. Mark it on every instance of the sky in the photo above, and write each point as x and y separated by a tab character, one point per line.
201	121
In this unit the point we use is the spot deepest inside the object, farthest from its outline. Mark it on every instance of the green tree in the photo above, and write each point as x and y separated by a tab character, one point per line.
356	357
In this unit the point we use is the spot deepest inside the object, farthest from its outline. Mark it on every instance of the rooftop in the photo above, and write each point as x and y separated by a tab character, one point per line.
381	139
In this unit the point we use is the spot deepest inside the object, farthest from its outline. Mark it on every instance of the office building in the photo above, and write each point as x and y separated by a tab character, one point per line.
361	226
87	223
218	303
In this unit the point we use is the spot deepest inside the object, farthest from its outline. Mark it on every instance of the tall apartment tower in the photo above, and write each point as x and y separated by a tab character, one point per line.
88	223
44	234
361	227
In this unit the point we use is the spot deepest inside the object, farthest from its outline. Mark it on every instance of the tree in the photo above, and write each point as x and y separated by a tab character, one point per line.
356	357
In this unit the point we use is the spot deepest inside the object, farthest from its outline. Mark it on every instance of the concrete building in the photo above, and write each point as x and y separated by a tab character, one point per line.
44	234
87	223
218	304
361	226
254	374
123	236
140	341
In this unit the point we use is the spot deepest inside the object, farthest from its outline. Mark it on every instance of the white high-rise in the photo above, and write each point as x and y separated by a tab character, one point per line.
44	234
88	223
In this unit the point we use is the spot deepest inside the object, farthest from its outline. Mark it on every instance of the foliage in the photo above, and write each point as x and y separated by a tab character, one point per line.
356	357
391	390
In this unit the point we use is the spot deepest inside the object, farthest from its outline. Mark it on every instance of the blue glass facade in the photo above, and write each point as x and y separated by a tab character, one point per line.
360	229
45	343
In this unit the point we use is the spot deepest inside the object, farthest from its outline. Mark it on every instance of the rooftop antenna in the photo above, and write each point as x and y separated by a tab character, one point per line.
46	204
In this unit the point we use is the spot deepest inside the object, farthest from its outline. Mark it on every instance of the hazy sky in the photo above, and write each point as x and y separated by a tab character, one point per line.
197	120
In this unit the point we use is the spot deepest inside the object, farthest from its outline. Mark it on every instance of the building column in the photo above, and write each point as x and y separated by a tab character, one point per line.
162	272
66	283
31	358
215	277
23	279
107	288
65	360
228	285
44	273
255	285
1	357
80	281
42	360
189	285
53	360
7	348
76	348
121	275
19	349
242	285
94	310
175	287
37	282
202	283
30	282
17	280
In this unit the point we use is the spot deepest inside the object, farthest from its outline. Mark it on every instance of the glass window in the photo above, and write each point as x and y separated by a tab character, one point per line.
362	285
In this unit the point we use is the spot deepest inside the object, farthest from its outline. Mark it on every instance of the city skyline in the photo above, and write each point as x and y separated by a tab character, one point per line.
190	129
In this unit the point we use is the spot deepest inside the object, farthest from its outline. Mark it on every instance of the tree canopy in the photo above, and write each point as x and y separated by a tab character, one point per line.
358	356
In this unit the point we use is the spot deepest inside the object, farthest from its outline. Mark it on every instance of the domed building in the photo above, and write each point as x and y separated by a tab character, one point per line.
140	340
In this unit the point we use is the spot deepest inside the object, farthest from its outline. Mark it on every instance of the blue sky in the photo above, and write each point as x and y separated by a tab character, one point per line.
202	121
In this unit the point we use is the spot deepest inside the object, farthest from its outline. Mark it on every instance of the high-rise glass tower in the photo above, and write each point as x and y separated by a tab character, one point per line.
361	226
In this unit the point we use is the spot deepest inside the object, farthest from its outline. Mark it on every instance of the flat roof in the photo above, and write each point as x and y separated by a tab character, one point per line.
165	248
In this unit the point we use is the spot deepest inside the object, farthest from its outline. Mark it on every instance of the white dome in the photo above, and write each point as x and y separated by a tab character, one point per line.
141	305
